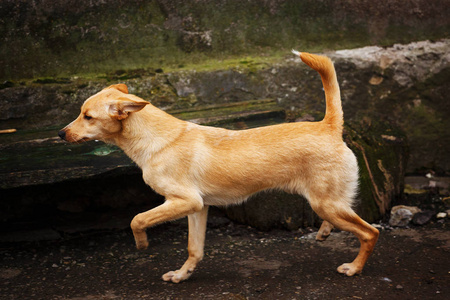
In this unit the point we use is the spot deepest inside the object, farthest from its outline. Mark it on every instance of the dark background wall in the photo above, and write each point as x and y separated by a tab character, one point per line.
62	38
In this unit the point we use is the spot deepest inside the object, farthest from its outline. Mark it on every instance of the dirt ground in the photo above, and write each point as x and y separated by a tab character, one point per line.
240	263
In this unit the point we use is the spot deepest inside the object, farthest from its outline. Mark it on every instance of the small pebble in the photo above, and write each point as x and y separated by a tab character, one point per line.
441	215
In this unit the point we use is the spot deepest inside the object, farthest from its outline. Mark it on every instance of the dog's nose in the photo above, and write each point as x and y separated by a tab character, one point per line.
62	134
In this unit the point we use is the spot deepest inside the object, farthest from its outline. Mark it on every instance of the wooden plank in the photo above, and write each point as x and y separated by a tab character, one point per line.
40	157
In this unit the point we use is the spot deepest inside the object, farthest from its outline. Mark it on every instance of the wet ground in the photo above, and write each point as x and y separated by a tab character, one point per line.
240	263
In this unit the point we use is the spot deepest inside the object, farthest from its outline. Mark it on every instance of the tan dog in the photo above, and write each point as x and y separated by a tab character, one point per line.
196	166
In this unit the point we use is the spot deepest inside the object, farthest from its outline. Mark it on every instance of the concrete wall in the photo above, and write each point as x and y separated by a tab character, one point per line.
44	38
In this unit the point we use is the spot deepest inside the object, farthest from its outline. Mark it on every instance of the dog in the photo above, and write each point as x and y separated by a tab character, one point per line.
196	166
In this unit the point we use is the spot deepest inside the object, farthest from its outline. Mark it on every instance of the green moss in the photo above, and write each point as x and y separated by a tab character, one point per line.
382	152
52	80
103	37
410	190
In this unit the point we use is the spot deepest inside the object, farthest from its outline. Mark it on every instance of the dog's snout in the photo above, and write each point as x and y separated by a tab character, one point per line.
62	134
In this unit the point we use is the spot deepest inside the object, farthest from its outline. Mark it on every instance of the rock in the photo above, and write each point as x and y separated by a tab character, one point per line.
310	236
423	217
425	104
411	60
400	218
412	209
378	226
401	215
441	215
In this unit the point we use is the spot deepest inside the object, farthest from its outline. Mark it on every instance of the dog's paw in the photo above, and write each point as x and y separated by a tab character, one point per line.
176	276
322	236
324	231
349	269
142	244
141	240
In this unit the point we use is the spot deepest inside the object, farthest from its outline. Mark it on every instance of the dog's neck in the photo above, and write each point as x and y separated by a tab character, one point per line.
147	132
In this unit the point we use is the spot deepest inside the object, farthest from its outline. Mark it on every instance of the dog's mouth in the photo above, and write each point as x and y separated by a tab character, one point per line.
72	139
78	141
81	140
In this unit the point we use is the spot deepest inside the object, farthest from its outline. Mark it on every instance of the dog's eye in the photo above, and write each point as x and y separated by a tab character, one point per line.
87	117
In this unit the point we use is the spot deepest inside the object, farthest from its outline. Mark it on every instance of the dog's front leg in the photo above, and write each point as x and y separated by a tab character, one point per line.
197	230
173	208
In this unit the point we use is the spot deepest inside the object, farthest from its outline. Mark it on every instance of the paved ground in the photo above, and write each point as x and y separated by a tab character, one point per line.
240	263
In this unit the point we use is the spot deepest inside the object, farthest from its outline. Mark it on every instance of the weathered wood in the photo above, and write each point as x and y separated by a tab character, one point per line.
229	113
39	157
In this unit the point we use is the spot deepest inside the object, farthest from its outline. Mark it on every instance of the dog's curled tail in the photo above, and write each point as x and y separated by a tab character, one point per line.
324	66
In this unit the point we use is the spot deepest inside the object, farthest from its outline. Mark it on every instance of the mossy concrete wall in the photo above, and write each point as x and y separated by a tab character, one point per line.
44	38
404	84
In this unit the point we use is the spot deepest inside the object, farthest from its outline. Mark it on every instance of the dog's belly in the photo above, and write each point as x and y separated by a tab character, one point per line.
223	200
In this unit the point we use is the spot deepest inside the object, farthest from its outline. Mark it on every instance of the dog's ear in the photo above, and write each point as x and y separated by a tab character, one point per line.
120	87
119	109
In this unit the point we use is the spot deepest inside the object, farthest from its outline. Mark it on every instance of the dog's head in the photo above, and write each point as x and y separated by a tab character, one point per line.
102	115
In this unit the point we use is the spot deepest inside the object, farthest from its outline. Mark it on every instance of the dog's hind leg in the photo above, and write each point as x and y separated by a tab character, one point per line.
324	231
196	242
367	236
346	219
